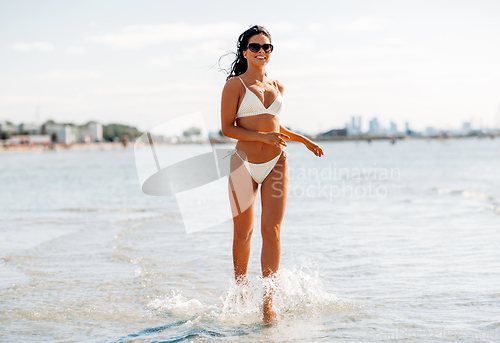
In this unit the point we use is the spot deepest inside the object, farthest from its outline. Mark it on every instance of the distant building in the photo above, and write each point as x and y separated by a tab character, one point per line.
61	133
39	139
466	127
374	127
431	131
407	129
6	129
30	129
334	133
354	127
214	135
91	133
465	130
30	139
394	129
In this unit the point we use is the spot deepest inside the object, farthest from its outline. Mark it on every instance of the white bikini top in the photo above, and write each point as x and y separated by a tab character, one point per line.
252	106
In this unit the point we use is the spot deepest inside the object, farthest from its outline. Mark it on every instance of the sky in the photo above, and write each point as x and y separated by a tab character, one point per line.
143	63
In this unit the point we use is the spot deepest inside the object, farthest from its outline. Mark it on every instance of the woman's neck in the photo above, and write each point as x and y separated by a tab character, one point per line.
256	73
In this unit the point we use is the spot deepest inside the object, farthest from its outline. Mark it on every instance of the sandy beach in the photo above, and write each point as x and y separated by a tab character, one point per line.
119	145
62	147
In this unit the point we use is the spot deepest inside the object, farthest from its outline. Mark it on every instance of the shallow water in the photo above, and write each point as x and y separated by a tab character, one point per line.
379	242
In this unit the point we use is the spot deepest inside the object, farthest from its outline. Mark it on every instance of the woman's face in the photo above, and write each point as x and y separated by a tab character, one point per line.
259	58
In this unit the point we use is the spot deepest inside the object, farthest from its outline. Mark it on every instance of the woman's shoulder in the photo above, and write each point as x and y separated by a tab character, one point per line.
233	82
233	79
280	86
233	86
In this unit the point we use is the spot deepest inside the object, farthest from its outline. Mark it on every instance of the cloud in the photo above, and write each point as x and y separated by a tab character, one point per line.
328	69
161	62
139	36
70	75
316	27
76	50
296	44
207	48
162	89
15	100
362	24
281	26
372	52
40	46
206	51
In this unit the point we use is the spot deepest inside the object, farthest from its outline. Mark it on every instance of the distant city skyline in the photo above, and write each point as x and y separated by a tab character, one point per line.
177	128
428	63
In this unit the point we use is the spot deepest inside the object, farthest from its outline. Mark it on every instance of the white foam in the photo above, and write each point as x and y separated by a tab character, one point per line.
301	291
297	291
495	208
476	196
176	304
444	190
448	191
240	304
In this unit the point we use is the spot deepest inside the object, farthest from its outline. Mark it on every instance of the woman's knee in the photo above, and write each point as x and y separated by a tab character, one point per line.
243	235
271	233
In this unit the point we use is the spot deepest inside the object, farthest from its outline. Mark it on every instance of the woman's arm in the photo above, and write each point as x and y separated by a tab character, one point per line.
295	137
229	107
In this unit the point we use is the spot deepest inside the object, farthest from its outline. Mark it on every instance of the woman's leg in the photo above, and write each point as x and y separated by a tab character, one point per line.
242	193
274	193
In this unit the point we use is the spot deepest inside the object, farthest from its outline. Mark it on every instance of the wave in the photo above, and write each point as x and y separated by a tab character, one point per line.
476	196
177	304
298	293
447	191
103	210
495	208
469	194
177	332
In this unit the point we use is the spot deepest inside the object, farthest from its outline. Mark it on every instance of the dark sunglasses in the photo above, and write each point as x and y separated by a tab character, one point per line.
255	47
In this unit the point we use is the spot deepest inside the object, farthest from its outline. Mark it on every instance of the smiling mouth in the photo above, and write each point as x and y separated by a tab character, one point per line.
260	57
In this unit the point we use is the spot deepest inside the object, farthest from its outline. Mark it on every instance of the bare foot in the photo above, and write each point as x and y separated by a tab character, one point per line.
243	286
269	313
242	280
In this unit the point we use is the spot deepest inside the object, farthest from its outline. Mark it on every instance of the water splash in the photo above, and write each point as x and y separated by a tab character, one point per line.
298	292
176	304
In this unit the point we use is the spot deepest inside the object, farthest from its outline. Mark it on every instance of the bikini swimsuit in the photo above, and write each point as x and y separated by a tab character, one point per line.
252	106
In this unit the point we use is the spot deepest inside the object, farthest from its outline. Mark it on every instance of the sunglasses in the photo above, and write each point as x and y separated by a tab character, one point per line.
255	47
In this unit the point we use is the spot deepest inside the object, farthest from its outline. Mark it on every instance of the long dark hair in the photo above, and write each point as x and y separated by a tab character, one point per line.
240	65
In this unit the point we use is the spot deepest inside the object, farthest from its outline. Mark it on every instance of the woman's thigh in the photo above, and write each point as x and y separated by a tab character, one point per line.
242	192
274	194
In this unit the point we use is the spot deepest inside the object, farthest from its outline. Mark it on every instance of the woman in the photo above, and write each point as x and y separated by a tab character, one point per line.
250	108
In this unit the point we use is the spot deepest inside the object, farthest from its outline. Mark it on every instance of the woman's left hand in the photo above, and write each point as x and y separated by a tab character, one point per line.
315	148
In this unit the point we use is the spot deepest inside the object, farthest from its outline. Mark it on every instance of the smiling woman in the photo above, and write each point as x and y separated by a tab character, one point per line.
250	109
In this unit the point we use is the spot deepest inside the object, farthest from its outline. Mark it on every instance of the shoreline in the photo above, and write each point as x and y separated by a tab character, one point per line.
403	137
64	147
119	145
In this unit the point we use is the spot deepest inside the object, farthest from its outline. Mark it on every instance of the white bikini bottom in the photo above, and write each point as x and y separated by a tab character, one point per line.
258	171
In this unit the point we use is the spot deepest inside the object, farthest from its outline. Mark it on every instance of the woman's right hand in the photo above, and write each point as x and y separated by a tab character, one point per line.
275	138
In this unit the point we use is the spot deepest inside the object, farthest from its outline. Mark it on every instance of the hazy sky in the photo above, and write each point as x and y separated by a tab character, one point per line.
431	63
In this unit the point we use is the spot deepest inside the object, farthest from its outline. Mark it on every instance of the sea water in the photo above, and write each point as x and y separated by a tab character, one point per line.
380	242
